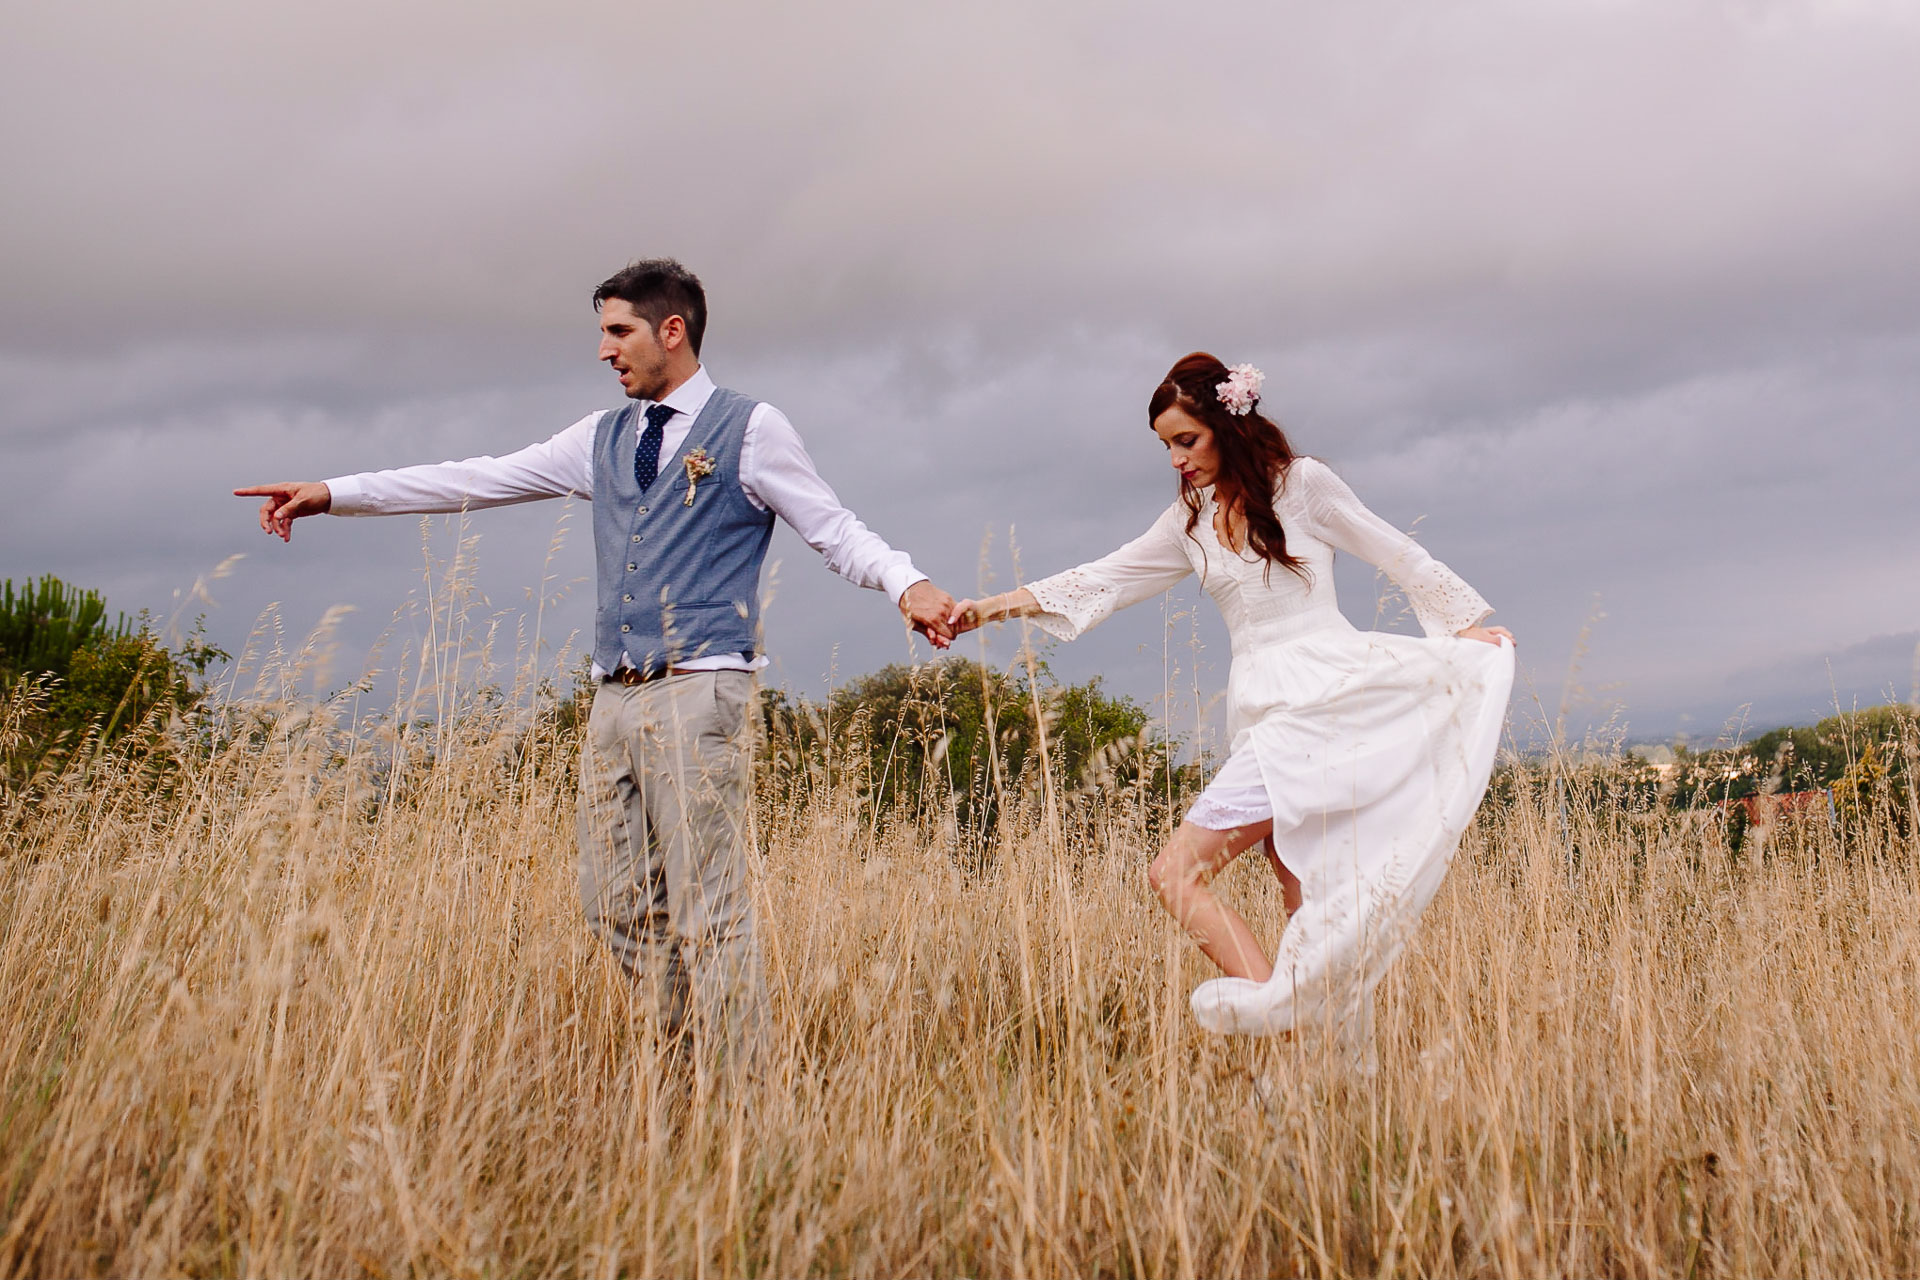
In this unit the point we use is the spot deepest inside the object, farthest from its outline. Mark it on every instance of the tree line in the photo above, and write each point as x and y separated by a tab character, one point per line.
948	741
959	740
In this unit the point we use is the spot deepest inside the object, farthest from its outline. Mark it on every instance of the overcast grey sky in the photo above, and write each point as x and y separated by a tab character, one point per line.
1619	300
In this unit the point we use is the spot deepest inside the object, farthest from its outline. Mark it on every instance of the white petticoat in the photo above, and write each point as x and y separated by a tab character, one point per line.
1237	796
1370	753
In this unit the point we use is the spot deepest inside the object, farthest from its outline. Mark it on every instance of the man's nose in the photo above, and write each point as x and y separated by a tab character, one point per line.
607	350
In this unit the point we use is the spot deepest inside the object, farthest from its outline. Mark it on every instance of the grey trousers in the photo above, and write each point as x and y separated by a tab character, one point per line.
663	854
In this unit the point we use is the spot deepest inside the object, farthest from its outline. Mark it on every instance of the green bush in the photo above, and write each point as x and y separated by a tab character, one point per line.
954	736
44	624
72	677
1798	758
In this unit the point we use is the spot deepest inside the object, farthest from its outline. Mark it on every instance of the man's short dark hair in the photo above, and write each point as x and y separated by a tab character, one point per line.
657	288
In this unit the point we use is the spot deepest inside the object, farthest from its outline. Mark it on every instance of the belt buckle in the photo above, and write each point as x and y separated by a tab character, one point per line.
631	676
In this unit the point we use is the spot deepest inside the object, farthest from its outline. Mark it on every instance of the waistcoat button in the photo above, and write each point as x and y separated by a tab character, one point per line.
627	599
625	627
636	537
631	566
643	511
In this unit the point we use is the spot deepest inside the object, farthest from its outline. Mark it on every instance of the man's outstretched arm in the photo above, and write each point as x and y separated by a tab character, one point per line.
555	467
777	473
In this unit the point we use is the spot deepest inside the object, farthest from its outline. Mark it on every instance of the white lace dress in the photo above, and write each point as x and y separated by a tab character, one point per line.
1368	751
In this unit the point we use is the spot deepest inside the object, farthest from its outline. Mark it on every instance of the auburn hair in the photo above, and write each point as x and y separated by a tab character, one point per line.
1254	455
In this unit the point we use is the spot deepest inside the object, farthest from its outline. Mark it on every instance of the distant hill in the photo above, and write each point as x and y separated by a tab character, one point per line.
1802	690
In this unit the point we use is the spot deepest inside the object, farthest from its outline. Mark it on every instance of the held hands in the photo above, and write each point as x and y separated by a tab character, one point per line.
928	609
287	502
970	615
1488	635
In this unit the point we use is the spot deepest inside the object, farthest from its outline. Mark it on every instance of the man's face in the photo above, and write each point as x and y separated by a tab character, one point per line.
629	344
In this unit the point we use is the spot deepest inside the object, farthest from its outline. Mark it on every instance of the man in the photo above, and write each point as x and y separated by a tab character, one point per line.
685	482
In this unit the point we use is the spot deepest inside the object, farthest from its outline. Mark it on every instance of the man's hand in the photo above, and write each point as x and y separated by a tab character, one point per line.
927	607
287	502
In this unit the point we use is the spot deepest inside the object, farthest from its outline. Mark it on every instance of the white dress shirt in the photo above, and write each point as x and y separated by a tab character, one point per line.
775	473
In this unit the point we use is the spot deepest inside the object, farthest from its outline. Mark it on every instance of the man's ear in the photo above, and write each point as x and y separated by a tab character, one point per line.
671	333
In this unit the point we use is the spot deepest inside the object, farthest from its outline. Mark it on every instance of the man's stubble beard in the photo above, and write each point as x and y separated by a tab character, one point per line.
653	385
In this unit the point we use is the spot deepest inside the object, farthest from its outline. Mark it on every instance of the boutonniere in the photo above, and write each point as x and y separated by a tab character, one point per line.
698	464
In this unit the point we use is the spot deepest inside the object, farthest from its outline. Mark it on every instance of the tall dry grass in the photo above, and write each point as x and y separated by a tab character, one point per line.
322	1003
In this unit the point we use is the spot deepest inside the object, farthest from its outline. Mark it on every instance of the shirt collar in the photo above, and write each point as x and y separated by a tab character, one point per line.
691	396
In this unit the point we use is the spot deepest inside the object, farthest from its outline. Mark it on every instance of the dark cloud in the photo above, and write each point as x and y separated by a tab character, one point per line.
1618	301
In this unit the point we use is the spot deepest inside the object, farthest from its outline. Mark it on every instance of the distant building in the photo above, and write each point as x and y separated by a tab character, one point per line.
1765	810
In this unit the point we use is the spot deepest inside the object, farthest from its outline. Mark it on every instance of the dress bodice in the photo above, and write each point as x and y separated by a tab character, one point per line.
1265	603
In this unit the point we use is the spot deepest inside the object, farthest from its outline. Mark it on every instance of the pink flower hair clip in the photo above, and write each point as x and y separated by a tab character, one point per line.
1241	391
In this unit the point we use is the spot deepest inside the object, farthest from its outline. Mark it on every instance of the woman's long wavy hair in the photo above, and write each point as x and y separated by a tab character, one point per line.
1254	455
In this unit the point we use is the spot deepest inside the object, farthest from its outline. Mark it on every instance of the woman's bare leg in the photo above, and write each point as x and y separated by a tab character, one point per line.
1289	882
1180	875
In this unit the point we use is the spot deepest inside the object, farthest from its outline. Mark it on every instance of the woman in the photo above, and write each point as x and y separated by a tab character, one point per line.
1357	757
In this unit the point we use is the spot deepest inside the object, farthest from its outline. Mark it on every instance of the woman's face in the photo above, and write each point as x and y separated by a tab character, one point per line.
1189	446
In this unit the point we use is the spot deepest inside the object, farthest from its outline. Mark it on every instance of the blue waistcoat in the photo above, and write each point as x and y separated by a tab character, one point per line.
676	580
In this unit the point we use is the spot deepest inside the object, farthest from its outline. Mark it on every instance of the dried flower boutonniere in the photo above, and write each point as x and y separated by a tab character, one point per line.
698	464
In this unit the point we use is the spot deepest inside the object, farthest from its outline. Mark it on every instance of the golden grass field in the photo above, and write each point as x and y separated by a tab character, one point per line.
299	1013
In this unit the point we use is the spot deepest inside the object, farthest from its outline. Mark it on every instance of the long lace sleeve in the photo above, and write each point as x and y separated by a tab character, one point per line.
1074	601
1442	602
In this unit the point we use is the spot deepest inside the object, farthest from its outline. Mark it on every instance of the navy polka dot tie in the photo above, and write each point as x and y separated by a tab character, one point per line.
646	458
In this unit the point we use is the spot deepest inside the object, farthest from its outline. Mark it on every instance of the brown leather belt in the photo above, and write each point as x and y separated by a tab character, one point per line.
633	675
